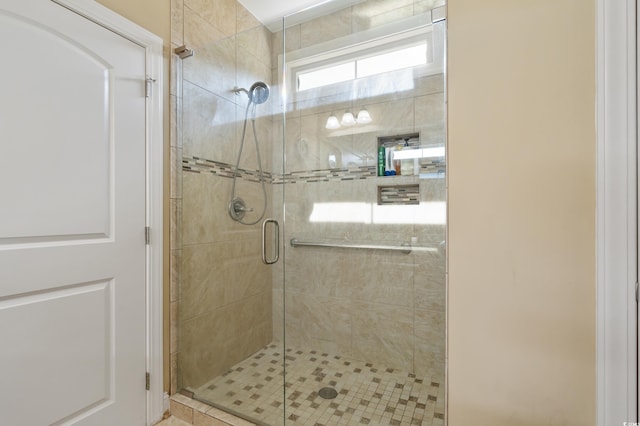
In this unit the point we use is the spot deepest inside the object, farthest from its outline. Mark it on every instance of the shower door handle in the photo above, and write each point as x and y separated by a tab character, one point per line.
264	241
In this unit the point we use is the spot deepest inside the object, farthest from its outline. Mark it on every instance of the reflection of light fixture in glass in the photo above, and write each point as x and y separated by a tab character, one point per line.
425	213
332	122
363	117
348	119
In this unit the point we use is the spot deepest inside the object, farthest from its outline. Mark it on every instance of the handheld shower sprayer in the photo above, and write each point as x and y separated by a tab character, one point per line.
258	94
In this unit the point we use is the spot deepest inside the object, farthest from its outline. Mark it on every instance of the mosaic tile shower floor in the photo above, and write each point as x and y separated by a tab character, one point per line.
367	393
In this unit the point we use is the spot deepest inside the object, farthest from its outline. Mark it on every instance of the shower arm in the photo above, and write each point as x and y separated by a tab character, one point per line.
237	90
258	93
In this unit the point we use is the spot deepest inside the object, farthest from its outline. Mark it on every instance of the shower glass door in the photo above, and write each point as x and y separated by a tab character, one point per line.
348	157
221	299
362	303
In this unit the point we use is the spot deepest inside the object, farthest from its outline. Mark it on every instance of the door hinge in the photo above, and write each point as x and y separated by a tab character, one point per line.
147	86
147	235
636	292
147	381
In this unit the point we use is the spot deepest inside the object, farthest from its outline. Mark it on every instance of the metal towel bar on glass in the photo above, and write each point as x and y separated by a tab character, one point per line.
401	248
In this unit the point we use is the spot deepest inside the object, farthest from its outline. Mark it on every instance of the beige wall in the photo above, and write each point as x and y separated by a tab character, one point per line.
522	201
155	16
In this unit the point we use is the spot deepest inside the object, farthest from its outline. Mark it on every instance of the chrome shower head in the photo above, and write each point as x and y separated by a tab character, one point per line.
258	93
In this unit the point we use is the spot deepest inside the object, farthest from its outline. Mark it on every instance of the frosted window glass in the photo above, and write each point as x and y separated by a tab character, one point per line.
325	76
391	61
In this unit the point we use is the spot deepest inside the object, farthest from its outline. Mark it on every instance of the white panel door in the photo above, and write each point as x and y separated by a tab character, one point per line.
72	218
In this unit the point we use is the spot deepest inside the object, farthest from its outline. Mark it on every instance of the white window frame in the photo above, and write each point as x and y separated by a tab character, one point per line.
616	213
356	46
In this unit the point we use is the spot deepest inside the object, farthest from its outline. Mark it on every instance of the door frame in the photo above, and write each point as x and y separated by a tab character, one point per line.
154	191
616	212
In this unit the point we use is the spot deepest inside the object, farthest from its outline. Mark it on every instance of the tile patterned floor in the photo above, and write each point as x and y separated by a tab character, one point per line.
367	393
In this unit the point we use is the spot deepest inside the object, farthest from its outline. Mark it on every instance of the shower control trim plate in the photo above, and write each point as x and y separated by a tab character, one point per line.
238	208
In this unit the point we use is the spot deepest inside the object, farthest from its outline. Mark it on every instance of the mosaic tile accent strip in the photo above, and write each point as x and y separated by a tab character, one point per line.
326	175
399	194
367	393
200	165
434	166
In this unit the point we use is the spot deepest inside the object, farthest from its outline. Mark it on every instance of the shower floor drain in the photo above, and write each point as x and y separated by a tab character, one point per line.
328	393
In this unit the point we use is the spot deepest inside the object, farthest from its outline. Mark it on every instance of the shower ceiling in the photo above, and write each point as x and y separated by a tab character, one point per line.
270	12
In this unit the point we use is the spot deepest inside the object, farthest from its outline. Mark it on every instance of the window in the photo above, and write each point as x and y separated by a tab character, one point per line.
399	58
328	75
336	68
392	61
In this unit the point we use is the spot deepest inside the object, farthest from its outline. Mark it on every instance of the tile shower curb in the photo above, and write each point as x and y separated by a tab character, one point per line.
200	414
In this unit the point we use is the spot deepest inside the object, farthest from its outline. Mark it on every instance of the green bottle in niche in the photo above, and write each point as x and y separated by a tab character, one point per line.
381	160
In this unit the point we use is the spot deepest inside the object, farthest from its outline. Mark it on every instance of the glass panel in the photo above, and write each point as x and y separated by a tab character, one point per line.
226	323
365	223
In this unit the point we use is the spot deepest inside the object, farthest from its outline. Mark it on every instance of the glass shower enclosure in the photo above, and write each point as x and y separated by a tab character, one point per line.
346	324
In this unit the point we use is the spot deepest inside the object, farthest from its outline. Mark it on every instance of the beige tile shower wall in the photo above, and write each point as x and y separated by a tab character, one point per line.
375	306
221	292
382	307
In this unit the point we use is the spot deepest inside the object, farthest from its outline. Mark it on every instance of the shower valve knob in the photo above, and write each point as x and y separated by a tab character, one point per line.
237	208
